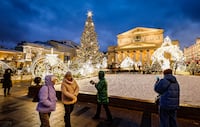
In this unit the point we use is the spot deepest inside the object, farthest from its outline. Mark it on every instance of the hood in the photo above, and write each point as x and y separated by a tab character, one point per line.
170	78
101	75
48	80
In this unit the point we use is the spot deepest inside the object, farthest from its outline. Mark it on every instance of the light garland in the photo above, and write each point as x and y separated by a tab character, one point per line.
173	50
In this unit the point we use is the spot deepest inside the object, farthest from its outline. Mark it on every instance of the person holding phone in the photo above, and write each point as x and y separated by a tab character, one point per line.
168	88
102	96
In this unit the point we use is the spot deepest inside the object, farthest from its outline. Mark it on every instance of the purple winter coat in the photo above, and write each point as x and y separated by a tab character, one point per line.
47	96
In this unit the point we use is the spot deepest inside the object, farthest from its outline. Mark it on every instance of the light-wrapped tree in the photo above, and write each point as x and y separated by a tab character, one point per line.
155	67
89	48
88	52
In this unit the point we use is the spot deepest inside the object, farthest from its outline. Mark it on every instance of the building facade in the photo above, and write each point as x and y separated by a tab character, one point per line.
66	50
68	47
138	44
192	53
26	53
10	59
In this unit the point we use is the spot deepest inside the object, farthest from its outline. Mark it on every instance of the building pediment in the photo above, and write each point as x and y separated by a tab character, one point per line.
140	35
140	30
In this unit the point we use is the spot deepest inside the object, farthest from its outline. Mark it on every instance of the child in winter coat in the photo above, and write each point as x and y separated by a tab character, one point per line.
47	100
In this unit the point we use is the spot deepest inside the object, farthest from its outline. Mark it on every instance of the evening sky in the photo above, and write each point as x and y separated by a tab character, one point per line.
42	20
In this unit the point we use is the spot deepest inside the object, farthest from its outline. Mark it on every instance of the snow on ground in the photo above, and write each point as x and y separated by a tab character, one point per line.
142	86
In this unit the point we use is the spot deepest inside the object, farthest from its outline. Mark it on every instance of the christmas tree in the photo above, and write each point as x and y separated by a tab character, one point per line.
89	49
156	67
193	68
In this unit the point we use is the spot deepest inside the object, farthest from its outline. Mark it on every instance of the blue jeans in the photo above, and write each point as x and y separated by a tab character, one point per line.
167	117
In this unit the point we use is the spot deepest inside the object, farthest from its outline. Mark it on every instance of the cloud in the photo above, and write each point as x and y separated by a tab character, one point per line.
41	20
190	9
186	33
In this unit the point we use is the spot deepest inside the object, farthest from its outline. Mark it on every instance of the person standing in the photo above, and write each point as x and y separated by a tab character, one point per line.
70	91
47	100
7	82
169	91
102	96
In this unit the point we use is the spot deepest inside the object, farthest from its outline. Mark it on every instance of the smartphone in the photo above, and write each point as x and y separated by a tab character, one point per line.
157	78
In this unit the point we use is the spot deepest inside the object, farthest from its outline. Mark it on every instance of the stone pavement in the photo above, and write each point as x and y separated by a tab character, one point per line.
17	110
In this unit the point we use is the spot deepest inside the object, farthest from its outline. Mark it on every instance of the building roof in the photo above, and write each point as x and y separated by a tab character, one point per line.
39	44
67	43
140	30
47	44
9	50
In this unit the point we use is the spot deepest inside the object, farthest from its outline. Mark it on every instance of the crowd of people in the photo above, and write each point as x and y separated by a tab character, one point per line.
70	91
167	88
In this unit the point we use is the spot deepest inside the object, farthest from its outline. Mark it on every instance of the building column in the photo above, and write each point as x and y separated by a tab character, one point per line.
116	57
123	55
128	54
148	57
141	56
134	56
119	57
28	54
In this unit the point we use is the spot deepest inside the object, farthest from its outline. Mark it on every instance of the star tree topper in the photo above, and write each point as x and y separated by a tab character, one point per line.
89	14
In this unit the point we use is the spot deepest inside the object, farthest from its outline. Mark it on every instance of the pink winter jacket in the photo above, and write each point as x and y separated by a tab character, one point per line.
70	90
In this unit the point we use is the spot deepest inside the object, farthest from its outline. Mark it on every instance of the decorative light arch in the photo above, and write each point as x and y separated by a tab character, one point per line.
42	66
168	48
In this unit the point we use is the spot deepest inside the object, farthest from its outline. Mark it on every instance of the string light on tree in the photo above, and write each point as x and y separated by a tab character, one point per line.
89	45
88	54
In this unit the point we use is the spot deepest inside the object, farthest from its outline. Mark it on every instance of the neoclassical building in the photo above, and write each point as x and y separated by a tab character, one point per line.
11	58
65	50
138	44
192	53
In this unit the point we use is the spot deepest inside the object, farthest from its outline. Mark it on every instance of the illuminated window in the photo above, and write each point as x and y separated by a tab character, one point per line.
137	38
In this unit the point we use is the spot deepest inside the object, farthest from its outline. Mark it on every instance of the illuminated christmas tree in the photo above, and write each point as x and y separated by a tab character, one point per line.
155	67
89	49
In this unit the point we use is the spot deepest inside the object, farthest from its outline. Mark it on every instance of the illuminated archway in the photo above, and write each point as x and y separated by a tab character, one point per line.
169	53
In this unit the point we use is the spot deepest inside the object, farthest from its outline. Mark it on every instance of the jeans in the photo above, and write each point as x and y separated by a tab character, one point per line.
167	117
44	118
68	111
109	116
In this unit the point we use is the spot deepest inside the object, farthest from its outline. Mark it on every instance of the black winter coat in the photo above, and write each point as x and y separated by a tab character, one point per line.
7	82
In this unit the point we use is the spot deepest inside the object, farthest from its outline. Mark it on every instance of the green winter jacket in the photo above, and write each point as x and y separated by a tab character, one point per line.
101	86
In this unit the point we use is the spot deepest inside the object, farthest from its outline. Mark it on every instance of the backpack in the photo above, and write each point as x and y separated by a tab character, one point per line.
36	97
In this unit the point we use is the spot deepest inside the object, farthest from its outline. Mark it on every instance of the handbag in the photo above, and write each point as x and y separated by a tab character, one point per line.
36	98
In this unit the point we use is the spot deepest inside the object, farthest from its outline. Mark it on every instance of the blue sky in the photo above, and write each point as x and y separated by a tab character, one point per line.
42	20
